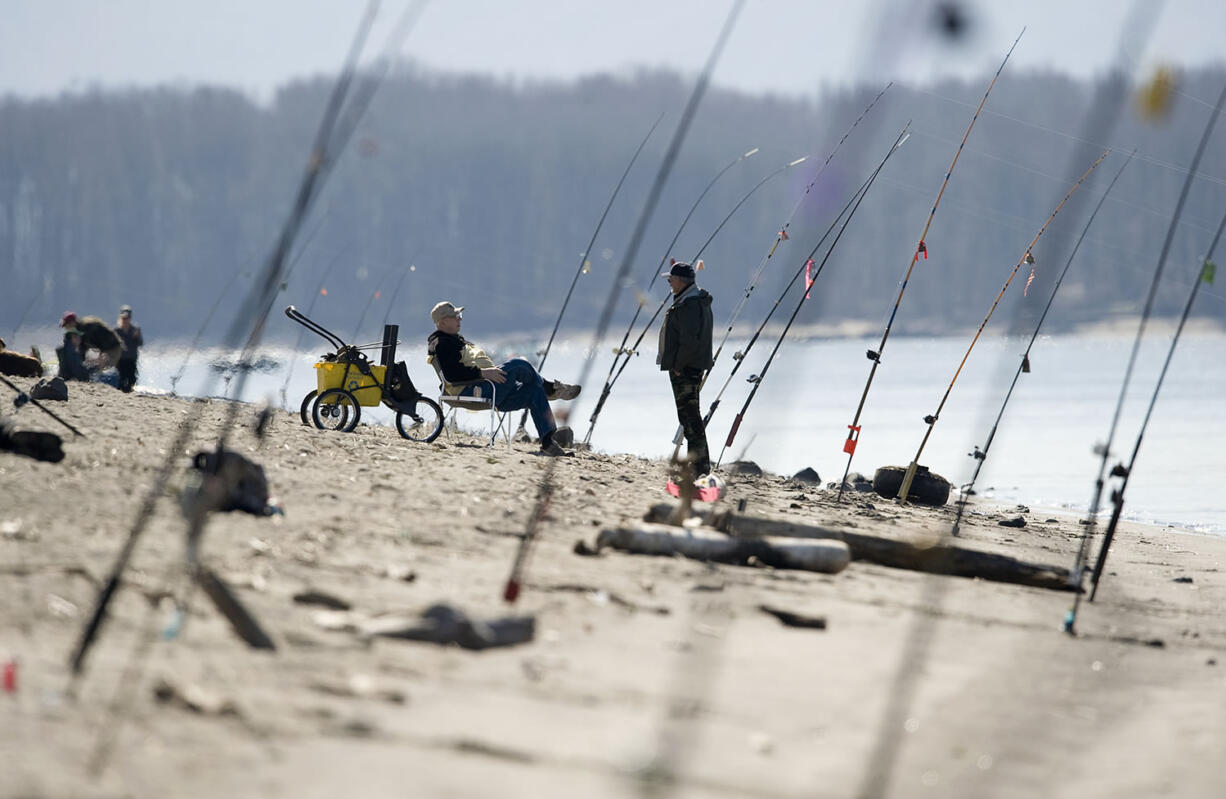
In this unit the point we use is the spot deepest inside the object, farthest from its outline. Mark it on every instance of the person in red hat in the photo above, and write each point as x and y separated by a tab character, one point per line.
96	335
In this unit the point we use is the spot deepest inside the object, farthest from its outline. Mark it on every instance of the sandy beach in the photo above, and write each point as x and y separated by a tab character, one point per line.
647	676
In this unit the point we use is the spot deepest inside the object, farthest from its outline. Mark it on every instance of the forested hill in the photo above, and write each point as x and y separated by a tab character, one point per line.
170	199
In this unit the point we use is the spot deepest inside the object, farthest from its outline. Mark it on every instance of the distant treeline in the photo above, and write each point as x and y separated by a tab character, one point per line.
171	199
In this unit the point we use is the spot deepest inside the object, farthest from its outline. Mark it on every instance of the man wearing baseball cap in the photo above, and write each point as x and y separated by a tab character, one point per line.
685	353
517	385
132	340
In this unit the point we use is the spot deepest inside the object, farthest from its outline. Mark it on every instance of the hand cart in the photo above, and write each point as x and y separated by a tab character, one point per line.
347	381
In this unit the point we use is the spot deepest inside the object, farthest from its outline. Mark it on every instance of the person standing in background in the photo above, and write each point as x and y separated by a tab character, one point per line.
132	340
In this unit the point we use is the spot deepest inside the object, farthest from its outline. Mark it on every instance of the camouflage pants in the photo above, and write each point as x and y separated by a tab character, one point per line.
689	413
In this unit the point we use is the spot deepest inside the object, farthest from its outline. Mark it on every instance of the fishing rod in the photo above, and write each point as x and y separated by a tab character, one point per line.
805	267
1104	450
514	582
1207	271
1027	258
22	398
1119	470
584	263
853	429
257	307
980	455
620	367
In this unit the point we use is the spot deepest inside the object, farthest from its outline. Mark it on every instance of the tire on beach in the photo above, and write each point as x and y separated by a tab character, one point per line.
305	410
336	409
424	423
927	488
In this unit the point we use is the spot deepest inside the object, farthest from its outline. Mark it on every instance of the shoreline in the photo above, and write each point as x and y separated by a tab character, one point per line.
995	699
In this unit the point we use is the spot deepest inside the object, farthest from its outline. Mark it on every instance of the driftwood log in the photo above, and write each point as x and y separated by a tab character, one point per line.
827	556
944	559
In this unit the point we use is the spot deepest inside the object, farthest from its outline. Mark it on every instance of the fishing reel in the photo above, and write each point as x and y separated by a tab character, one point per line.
1119	470
738	355
873	355
755	379
930	420
978	454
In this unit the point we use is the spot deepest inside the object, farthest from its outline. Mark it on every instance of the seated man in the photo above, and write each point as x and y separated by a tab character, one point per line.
97	335
517	384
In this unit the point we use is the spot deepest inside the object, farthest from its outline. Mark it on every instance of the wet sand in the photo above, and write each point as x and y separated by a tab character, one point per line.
648	676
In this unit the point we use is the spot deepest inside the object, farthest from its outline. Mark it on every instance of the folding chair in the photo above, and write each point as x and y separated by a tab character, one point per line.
483	401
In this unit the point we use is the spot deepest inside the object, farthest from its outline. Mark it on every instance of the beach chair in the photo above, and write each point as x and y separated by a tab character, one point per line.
482	402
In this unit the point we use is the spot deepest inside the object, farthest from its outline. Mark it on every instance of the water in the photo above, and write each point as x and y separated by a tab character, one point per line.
1042	455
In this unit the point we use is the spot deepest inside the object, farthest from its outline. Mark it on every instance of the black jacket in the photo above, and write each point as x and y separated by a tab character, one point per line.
686	339
448	352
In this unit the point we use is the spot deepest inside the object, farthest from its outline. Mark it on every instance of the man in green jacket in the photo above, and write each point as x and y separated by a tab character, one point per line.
685	353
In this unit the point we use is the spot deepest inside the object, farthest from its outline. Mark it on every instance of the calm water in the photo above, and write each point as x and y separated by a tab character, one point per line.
1042	455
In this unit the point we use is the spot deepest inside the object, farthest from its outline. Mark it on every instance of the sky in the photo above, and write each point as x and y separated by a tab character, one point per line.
792	47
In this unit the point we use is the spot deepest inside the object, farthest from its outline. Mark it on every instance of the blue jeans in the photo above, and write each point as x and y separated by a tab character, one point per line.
523	389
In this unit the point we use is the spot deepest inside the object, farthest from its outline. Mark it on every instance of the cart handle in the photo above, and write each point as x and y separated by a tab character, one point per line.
314	327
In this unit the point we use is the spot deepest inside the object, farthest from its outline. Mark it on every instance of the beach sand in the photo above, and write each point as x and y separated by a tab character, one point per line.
648	676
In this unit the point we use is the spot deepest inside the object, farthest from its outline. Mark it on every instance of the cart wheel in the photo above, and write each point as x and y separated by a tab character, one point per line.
336	409
305	410
424	423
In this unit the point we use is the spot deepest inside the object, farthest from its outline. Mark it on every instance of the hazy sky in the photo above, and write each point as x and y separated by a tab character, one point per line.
790	46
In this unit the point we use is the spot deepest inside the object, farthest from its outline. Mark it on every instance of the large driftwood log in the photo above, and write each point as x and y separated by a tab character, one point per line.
933	558
827	556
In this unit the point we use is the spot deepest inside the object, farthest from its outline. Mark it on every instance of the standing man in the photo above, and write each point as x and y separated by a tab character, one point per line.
685	353
132	340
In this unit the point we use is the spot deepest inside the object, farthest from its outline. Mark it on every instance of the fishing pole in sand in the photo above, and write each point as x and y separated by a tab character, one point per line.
805	267
627	352
1206	275
1104	451
256	308
22	398
981	455
1027	258
514	584
853	429
585	264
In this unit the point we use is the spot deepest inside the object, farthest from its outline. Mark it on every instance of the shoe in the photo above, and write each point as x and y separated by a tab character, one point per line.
563	391
564	437
552	449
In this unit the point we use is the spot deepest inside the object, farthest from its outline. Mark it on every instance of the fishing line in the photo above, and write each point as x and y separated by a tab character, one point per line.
191	349
738	358
1027	257
1105	451
757	379
519	566
980	455
633	349
319	292
782	235
853	429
